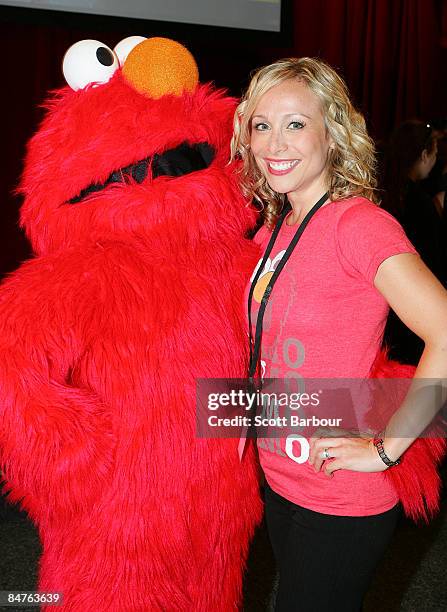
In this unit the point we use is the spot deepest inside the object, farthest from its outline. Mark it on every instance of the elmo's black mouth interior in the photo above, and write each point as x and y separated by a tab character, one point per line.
179	161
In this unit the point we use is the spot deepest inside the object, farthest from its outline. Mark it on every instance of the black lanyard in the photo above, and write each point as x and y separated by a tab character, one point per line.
255	348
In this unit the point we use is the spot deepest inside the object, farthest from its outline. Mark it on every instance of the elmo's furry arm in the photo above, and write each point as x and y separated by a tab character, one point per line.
416	480
55	438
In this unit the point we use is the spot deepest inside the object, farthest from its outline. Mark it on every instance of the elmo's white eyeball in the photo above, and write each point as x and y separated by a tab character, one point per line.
89	61
125	46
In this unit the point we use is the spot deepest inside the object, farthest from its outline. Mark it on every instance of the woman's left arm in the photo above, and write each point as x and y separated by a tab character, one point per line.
420	301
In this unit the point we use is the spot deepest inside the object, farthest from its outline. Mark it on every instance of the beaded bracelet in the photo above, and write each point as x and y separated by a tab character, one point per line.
378	443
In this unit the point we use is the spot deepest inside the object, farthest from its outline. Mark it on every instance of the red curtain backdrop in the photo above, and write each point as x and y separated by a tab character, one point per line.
444	23
391	52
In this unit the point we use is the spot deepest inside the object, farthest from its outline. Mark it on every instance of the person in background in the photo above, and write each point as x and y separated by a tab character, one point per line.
410	158
436	182
309	162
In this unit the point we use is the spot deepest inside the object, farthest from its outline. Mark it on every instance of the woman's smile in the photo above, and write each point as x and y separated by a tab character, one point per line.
279	167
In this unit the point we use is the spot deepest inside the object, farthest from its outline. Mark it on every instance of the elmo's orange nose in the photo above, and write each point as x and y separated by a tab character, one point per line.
160	66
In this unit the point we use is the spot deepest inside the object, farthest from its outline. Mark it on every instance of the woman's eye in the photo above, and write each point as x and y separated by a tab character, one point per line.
261	127
296	125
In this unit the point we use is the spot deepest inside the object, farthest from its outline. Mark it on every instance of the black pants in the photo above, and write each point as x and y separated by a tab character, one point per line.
325	562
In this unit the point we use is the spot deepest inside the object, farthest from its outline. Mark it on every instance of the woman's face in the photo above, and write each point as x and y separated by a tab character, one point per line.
289	141
428	160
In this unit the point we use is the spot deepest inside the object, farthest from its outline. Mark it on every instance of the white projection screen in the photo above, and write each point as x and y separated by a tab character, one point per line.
264	15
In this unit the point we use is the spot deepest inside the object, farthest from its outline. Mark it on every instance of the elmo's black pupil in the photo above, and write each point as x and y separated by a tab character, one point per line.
105	56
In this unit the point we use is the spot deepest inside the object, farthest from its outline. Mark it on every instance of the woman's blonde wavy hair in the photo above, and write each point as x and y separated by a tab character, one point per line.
351	163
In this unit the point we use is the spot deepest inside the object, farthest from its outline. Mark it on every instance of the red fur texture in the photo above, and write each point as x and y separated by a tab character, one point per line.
416	479
134	293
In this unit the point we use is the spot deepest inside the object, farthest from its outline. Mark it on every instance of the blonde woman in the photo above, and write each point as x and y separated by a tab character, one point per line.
338	262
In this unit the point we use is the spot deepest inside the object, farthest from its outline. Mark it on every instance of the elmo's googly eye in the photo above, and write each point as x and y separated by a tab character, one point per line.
125	46
88	61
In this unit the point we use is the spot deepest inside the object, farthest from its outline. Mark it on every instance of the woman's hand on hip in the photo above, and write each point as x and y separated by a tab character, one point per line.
329	453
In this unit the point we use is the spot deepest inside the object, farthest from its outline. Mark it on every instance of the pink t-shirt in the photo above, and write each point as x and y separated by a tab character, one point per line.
325	319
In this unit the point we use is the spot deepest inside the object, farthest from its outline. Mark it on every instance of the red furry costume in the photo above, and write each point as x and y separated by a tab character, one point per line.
135	291
416	479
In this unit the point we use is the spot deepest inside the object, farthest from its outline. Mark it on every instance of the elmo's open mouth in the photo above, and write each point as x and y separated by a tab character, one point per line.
181	160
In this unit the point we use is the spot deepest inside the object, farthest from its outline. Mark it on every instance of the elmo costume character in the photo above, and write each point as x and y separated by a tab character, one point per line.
136	290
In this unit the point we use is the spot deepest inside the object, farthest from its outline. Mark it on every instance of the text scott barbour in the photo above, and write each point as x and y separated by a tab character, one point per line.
260	420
